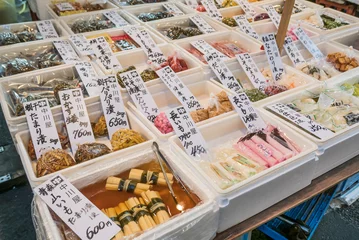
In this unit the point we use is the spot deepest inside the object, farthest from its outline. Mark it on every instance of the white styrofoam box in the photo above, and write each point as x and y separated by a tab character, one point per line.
251	196
200	222
23	138
107	6
67	21
347	39
165	100
159	26
331	151
309	5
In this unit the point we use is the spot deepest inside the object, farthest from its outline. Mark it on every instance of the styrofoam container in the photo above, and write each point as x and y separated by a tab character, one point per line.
107	6
251	196
200	222
347	39
166	100
23	138
309	5
123	4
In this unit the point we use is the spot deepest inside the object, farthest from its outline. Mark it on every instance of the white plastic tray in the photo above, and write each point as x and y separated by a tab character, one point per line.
249	197
346	39
310	5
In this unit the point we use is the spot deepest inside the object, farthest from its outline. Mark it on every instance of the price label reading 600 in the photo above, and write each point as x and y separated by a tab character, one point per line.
91	232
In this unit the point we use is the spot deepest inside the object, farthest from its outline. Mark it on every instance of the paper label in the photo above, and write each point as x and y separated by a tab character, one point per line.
42	126
75	210
207	49
47	29
202	24
187	132
77	122
173	9
140	94
104	54
66	51
274	16
116	18
248	114
247	8
192	3
308	43
88	77
112	105
245	27
223	73
273	56
299	6
212	10
81	44
177	87
252	71
65	6
301	120
293	52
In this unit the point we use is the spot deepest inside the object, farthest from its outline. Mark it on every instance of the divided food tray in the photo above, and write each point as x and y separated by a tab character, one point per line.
346	39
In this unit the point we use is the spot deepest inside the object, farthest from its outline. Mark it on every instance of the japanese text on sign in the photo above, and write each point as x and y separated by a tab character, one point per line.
47	29
273	56
192	3
212	10
273	15
81	44
42	126
245	27
67	53
301	120
65	6
173	9
140	94
104	54
112	105
75	210
88	77
202	24
207	49
293	52
116	18
247	8
308	43
77	122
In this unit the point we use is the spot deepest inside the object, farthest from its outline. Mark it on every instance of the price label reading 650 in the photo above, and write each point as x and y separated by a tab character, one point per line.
93	231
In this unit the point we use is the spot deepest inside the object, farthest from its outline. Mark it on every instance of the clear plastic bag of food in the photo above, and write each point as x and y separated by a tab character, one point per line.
180	29
94	23
69	7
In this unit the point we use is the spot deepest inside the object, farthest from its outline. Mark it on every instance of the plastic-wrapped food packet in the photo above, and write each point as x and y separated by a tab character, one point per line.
343	61
152	16
76	8
95	23
319	69
228	48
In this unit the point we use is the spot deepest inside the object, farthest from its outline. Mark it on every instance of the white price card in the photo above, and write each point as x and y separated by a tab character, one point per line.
81	44
88	76
247	8
65	6
192	3
75	210
299	6
140	94
42	126
302	121
177	87
308	43
116	18
77	122
207	49
247	112
211	9
273	15
148	45
245	27
273	56
293	52
223	73
202	24
66	51
187	132
252	71
173	9
104	54
112	104
47	29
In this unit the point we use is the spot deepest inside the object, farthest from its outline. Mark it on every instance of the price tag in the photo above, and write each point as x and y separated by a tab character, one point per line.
202	24
65	6
148	45
247	8
274	16
301	120
116	18
248	114
212	10
47	29
89	77
112	105
81	44
293	52
223	73
308	43
187	132
75	210
104	54
273	56
66	51
299	6
245	27
207	49
252	71
173	9
182	93
192	3
140	94
77	122
42	126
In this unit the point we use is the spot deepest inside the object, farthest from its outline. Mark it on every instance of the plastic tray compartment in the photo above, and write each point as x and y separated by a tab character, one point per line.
251	196
165	100
331	151
309	5
23	138
107	6
347	39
